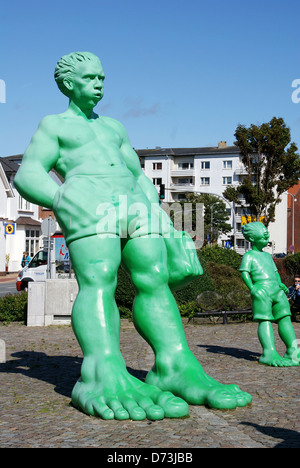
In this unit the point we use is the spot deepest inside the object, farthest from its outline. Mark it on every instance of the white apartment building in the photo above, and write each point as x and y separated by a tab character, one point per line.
209	170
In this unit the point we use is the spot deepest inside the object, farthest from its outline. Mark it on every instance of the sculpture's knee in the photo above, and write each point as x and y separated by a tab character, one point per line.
100	273
151	278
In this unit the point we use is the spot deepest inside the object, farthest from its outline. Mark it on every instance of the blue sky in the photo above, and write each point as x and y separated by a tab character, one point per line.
178	73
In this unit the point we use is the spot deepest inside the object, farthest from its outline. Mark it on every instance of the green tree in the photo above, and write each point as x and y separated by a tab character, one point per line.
272	165
215	214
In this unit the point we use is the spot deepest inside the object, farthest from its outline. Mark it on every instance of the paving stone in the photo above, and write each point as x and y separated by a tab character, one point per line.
43	363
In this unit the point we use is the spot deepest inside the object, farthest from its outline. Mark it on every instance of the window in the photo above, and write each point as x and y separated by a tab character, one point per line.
157	180
186	165
39	259
227	180
32	241
205	180
157	166
227	164
205	165
24	205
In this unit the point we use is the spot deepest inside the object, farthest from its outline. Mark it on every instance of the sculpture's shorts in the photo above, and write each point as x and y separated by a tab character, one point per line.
269	302
104	205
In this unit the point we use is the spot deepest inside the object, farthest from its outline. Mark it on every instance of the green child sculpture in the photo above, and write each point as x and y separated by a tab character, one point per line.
103	175
269	299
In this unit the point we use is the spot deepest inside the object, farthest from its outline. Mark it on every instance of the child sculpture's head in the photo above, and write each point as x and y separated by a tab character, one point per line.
257	234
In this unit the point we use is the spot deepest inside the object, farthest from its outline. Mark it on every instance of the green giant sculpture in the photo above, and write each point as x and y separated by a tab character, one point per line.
109	213
269	301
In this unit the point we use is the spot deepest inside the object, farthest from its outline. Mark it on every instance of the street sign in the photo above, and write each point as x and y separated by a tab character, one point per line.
48	226
9	228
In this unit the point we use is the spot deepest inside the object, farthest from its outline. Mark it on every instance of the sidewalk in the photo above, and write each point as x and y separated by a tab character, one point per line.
43	363
10	277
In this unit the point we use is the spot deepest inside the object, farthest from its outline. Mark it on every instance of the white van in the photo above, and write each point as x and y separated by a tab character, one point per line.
36	270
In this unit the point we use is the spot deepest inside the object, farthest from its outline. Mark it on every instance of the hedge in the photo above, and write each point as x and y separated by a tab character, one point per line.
13	308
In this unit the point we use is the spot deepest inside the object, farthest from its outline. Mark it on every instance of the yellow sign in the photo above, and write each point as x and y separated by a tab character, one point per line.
252	219
9	228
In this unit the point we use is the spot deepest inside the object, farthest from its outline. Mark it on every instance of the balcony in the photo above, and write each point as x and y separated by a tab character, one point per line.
241	171
182	173
182	187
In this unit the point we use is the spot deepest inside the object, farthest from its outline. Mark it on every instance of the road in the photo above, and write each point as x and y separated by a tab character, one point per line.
7	286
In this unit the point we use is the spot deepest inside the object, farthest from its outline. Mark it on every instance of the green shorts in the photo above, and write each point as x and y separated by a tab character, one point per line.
269	302
105	205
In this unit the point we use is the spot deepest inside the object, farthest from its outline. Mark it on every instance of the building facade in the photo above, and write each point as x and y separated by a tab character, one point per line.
209	170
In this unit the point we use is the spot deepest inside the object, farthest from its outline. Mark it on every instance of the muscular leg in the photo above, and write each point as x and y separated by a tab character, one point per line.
105	388
157	319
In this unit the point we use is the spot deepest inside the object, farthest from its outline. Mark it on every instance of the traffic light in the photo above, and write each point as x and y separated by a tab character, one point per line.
162	191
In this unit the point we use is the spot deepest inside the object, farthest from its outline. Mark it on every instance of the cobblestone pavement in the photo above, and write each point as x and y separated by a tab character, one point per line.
43	363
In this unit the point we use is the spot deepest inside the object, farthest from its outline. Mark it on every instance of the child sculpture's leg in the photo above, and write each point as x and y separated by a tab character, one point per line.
287	334
267	341
266	337
157	319
105	388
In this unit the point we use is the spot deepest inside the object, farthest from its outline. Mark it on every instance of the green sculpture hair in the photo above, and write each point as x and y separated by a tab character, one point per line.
252	228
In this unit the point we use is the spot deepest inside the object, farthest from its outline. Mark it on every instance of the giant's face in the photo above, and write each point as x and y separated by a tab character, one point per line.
87	83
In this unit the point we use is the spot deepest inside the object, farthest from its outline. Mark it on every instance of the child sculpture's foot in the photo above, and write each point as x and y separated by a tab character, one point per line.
118	395
185	378
293	356
272	358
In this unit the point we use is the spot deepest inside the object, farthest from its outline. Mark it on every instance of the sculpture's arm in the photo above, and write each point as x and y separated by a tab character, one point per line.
247	279
282	285
32	179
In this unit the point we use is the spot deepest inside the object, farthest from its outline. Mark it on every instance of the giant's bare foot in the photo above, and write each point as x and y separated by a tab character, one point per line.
112	393
183	375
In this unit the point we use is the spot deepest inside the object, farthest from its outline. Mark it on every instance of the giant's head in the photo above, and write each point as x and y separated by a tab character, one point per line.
67	68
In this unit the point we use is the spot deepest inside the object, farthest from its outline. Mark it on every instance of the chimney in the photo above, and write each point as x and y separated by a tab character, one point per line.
222	144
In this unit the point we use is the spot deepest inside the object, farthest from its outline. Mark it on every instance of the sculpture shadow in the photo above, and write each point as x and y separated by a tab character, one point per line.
290	438
237	353
60	371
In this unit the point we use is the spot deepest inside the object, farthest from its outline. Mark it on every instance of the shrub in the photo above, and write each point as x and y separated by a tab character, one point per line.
125	293
221	256
286	275
225	279
13	308
292	263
